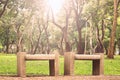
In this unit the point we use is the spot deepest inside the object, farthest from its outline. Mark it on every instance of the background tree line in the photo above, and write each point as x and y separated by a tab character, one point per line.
84	26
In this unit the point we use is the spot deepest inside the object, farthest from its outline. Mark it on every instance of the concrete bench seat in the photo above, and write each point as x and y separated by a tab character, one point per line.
22	57
40	57
97	62
87	57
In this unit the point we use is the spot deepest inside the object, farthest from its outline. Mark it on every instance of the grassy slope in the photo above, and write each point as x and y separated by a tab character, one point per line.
8	66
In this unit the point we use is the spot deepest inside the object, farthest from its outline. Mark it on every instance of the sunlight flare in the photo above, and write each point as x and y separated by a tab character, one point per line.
56	5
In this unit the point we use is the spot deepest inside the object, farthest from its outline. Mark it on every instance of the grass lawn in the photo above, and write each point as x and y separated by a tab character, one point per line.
8	66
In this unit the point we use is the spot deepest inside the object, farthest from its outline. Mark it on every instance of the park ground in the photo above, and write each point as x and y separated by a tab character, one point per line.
63	78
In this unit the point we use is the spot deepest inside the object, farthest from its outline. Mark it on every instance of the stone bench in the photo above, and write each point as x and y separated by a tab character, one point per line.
22	57
97	62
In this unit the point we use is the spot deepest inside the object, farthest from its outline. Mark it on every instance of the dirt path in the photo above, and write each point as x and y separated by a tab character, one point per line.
63	78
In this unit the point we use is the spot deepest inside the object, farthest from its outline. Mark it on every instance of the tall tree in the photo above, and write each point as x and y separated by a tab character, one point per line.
112	37
64	28
78	8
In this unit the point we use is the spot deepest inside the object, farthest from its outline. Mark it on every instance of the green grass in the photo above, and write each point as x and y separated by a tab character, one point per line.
8	66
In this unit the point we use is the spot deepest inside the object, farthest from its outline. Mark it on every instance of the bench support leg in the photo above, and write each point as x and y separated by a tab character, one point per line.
54	66
98	66
68	63
21	64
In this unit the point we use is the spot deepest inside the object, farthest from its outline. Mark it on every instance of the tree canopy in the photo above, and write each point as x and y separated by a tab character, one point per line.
41	26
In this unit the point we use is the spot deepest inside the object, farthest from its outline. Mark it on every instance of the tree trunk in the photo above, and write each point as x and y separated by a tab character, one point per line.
37	44
64	30
100	47
7	40
65	36
118	43
79	45
19	44
78	7
4	7
61	47
48	44
112	37
80	48
91	38
85	49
